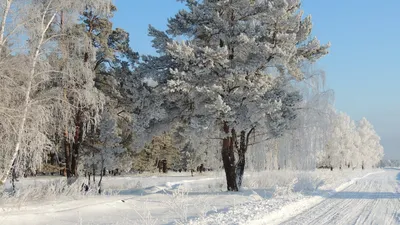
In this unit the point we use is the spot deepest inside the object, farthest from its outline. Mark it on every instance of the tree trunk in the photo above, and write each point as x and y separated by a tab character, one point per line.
3	25
67	144
73	162
94	175
13	178
77	143
228	159
101	175
242	159
52	158
67	151
164	166
99	185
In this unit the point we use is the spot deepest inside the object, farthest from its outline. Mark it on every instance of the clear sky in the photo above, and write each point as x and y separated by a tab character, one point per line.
362	67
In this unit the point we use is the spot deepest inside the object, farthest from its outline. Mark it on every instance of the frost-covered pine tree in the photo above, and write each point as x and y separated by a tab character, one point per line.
221	77
97	51
162	147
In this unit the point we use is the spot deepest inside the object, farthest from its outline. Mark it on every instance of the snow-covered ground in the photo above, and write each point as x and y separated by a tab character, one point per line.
372	200
272	197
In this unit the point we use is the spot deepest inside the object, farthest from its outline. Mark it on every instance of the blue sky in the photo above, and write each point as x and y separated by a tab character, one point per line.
362	67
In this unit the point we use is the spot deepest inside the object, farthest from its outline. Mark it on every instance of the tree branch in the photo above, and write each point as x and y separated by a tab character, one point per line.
248	136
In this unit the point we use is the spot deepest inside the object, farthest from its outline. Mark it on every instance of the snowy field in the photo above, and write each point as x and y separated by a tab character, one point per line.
269	197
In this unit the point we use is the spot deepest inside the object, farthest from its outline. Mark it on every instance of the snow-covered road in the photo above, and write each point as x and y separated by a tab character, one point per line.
374	199
346	197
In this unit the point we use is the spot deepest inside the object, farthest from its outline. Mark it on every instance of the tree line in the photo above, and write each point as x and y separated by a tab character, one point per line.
240	90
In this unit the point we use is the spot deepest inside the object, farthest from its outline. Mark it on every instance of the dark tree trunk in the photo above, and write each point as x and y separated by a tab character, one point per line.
102	172
52	158
73	163
164	166
67	145
228	159
99	185
77	143
13	177
242	159
67	150
160	166
94	175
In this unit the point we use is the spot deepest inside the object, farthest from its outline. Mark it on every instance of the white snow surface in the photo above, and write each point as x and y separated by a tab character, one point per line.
371	200
271	197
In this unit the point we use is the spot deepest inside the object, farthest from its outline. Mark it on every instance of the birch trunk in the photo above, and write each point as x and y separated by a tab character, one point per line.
101	173
27	99
3	24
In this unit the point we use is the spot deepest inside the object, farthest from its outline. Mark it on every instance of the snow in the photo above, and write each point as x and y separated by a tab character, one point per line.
249	71
270	197
372	200
299	207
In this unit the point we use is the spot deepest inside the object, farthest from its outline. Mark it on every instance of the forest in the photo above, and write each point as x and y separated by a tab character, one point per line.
234	87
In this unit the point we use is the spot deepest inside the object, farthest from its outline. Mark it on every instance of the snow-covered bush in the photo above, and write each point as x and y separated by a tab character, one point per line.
307	183
269	179
284	182
45	190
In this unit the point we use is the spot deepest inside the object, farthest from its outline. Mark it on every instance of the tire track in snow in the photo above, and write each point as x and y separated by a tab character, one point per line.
297	208
372	200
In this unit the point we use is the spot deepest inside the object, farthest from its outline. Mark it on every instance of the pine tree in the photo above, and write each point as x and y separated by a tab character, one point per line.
108	51
220	79
160	148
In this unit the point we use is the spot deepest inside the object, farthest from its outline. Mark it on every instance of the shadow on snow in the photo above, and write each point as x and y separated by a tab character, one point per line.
263	193
363	195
